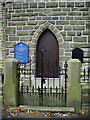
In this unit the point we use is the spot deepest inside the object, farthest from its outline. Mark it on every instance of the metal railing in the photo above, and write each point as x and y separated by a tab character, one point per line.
54	90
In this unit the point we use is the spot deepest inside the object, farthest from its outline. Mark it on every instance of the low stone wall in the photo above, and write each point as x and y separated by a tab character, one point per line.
10	87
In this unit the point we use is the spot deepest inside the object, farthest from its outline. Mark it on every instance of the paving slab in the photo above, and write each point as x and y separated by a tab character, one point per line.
48	109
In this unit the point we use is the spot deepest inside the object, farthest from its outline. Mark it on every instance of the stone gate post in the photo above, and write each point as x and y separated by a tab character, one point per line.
10	88
73	83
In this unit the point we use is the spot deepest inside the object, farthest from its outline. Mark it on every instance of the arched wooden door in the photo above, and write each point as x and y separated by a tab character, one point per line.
47	55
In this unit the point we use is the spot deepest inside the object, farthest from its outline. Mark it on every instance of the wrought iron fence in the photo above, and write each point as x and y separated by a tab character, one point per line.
31	92
85	84
85	73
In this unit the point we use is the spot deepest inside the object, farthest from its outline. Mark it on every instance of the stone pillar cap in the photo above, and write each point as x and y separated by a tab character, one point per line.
11	60
74	60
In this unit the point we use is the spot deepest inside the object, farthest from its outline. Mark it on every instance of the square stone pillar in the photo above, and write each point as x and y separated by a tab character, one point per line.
73	83
10	88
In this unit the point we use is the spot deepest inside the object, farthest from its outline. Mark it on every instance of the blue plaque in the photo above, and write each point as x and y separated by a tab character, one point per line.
21	52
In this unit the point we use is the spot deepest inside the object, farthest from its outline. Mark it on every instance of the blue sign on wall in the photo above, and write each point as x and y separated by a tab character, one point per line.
21	52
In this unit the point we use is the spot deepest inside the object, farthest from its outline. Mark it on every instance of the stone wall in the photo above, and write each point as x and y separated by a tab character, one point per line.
25	21
1	35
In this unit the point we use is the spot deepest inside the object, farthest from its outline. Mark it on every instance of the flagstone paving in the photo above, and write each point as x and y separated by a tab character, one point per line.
27	112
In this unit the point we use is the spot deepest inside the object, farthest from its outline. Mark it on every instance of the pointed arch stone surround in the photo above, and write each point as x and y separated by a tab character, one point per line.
58	35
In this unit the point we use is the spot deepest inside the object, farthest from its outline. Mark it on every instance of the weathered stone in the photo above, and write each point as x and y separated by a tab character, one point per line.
74	13
10	44
87	4
42	14
31	32
19	28
20	19
64	45
74	9
63	33
82	18
56	10
39	18
16	23
67	38
54	18
8	16
86	13
70	4
29	10
86	32
13	38
31	23
80	39
19	11
83	9
47	11
16	15
22	33
32	18
79	33
10	30
79	4
58	14
62	4
17	6
62	22
46	18
73	86
88	25
62	18
52	22
67	27
7	51
25	38
25	5
69	18
78	45
87	54
27	27
70	21
12	50
41	5
68	50
40	22
10	88
67	54
51	4
71	33
60	27
5	37
65	9
77	22
88	38
33	5
29	14
78	27
64	58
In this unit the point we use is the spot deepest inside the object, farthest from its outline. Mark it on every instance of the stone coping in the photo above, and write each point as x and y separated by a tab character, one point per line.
46	109
42	0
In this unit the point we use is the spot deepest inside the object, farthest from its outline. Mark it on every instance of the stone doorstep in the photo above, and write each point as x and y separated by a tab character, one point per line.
47	109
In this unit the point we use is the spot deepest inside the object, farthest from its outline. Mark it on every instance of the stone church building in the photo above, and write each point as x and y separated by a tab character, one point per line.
27	21
50	28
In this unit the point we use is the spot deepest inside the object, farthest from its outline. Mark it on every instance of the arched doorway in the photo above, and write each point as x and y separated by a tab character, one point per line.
47	55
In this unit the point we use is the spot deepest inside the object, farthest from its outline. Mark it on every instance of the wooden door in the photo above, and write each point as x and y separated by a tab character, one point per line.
47	55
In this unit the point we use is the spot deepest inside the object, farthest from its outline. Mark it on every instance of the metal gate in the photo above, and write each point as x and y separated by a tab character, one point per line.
40	91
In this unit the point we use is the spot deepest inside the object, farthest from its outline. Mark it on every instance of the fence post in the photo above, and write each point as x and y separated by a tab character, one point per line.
73	83
10	88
